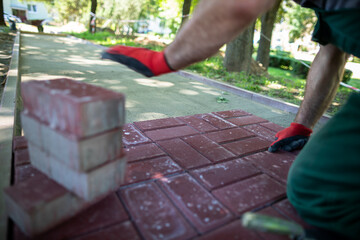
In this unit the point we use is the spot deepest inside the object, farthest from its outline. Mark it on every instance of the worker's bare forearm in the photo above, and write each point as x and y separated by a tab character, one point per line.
213	24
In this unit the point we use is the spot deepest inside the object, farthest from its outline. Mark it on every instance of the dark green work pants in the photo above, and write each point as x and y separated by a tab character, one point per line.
324	180
340	28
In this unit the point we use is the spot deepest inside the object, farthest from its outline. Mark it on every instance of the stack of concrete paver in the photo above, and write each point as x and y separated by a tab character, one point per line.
74	133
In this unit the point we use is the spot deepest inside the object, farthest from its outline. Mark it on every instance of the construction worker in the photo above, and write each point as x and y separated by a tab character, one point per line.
324	181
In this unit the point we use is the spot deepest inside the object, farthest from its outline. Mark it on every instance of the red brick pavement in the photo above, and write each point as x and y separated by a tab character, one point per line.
189	177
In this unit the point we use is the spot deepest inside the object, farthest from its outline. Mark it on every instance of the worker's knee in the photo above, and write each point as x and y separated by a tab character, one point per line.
334	54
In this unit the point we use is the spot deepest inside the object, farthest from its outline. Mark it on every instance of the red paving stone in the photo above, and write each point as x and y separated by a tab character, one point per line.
232	231
159	123
24	172
272	126
188	177
105	213
197	204
261	131
224	173
154	214
210	149
183	154
132	136
247	146
19	142
123	231
229	135
231	113
246	120
101	215
140	152
250	194
150	169
21	157
168	133
74	106
216	121
276	165
198	123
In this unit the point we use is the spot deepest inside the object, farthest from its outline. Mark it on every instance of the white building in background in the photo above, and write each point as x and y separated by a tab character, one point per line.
281	41
26	10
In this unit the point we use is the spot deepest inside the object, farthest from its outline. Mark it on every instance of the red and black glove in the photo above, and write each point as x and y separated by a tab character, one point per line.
147	62
291	138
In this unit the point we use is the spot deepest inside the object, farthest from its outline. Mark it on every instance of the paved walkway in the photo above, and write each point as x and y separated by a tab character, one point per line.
187	178
48	57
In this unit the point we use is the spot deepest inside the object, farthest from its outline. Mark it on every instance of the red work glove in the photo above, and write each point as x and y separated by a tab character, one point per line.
291	138
147	62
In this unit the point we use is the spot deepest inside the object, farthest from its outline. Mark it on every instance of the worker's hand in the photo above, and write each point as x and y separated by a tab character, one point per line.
147	62
291	138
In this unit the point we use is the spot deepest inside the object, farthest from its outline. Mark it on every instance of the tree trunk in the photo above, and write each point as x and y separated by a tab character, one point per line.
92	23
185	12
238	52
2	20
267	25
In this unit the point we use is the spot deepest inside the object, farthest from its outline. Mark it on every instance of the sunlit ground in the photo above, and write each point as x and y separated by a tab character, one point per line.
70	27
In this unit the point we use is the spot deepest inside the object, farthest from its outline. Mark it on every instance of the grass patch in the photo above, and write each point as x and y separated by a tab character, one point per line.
282	84
354	82
107	39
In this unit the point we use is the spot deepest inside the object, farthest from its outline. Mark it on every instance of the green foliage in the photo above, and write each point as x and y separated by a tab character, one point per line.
4	29
119	10
354	82
297	67
281	53
222	99
194	3
301	20
97	37
70	10
355	60
150	8
300	68
347	76
280	62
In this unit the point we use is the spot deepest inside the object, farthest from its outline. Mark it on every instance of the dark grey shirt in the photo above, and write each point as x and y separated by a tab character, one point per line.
330	4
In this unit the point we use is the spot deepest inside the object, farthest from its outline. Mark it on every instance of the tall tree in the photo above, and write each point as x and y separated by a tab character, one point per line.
185	12
238	52
2	20
92	22
267	26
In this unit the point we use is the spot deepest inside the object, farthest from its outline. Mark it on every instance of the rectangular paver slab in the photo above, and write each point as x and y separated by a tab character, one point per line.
222	174
39	203
87	185
250	193
199	206
154	214
74	107
79	154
